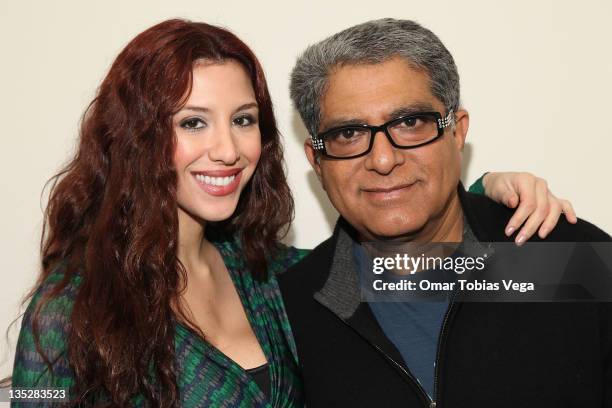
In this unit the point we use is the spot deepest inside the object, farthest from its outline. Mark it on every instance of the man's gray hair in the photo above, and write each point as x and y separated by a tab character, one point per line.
370	43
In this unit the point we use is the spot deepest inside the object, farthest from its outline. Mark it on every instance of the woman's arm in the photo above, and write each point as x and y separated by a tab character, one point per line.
30	369
538	209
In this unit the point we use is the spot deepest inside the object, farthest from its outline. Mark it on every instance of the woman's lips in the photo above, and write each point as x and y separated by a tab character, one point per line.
218	182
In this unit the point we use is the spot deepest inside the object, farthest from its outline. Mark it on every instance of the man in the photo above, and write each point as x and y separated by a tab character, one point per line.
381	101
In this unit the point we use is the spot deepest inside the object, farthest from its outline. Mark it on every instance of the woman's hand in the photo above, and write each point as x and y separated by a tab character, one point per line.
537	206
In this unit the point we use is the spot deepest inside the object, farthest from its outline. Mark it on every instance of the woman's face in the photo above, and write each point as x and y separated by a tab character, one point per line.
218	140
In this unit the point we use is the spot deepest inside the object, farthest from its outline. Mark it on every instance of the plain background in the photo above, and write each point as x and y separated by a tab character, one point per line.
536	77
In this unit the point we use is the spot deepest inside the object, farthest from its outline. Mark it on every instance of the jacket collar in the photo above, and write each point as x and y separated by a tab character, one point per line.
341	292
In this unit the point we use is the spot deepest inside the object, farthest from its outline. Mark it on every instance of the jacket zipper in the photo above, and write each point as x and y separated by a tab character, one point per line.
445	320
423	394
428	400
439	350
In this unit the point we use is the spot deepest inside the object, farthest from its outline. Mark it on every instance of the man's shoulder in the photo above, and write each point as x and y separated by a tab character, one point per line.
582	231
488	219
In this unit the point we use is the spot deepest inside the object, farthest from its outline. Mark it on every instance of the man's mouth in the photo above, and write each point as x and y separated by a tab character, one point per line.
388	194
390	189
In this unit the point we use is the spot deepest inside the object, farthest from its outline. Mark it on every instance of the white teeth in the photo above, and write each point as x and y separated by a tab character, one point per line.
215	181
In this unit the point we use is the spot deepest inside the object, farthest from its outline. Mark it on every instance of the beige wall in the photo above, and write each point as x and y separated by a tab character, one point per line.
536	77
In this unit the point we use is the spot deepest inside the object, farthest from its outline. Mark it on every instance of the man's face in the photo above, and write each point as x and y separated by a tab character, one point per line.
388	193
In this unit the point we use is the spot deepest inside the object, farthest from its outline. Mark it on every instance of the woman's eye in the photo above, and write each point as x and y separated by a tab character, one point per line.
193	124
244	121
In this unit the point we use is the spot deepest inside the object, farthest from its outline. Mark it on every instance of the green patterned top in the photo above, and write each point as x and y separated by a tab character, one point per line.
206	377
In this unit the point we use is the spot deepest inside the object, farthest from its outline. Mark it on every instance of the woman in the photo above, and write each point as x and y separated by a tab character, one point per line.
161	240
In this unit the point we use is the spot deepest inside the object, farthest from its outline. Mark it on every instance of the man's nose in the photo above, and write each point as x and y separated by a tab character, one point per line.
224	149
383	157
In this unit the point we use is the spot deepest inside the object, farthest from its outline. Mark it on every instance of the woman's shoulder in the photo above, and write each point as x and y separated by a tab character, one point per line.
48	315
285	257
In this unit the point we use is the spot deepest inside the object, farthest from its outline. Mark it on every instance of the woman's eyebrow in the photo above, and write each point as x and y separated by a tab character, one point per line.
203	109
247	106
196	108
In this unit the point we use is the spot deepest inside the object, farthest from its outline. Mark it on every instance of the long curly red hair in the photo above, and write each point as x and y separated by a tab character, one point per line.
112	214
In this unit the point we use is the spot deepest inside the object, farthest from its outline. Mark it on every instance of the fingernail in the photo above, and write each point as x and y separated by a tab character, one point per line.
520	239
509	231
543	232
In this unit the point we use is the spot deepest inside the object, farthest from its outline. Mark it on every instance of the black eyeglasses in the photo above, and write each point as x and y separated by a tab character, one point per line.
406	132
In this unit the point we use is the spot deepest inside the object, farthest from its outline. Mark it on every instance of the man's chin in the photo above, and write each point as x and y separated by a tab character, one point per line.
392	230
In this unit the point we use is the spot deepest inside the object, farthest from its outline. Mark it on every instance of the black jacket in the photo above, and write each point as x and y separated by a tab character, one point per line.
489	354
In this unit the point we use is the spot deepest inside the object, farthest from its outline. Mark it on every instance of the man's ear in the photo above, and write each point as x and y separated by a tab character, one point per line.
313	157
462	123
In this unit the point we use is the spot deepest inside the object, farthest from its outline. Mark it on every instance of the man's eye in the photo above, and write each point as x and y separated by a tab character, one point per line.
409	122
244	121
193	124
347	133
